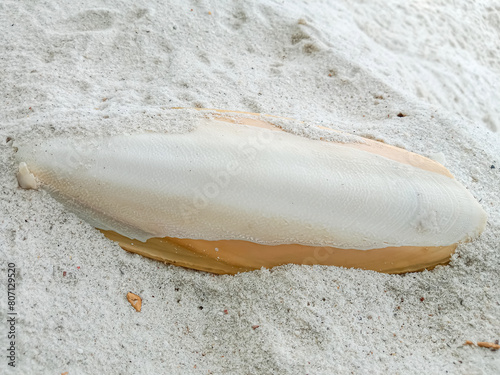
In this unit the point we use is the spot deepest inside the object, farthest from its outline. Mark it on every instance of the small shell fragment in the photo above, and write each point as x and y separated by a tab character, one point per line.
135	301
488	345
484	344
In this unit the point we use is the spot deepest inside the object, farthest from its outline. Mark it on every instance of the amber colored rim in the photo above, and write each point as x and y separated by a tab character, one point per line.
233	256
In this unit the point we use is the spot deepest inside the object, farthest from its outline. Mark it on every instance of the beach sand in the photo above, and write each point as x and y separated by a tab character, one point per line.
422	76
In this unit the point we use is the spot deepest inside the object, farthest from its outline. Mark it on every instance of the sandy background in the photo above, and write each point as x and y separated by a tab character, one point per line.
93	67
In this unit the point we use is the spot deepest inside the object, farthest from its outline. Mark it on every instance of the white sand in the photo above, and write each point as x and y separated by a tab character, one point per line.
81	69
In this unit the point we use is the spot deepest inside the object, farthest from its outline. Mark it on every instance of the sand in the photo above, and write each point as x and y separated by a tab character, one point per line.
83	69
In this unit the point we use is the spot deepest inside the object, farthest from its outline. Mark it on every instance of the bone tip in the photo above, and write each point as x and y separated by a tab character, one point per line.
25	178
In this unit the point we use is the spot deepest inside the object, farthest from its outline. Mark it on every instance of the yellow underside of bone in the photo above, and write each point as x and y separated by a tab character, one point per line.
232	256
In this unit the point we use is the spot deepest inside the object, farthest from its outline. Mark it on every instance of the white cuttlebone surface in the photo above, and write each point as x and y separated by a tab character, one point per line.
226	181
